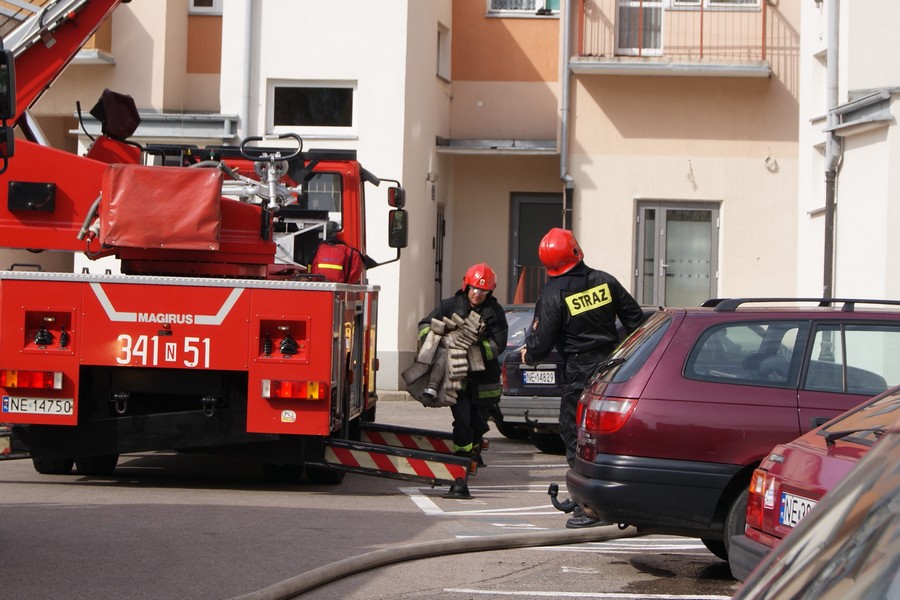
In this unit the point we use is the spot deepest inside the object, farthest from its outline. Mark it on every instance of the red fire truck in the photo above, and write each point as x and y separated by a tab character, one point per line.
240	322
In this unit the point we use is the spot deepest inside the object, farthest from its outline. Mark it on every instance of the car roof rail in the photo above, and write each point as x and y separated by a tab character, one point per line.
849	304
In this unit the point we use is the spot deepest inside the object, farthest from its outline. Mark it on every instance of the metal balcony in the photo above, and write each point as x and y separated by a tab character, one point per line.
725	38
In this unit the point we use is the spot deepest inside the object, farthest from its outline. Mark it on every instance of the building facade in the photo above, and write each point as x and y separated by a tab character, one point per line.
849	82
664	132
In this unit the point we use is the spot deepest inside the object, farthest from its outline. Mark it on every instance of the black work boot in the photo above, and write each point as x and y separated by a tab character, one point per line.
476	455
458	491
580	520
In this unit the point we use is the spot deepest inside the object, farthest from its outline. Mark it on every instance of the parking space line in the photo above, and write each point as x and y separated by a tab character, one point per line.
431	508
603	595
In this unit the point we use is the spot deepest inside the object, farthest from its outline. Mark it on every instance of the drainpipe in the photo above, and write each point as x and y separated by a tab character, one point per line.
832	144
567	179
247	52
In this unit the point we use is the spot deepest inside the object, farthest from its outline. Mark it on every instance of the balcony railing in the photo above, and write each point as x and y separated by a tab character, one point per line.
677	30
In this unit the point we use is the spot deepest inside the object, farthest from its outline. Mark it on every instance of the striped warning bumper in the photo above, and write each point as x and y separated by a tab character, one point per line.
397	463
407	437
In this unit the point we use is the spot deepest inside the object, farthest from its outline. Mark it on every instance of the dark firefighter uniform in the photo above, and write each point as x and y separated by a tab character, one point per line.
482	387
576	313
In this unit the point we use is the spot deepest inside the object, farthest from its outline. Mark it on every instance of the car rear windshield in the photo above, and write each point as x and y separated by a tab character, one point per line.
631	354
519	320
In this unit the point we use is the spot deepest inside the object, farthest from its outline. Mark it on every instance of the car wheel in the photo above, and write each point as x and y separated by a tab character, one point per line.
52	466
97	465
510	431
736	521
548	443
717	547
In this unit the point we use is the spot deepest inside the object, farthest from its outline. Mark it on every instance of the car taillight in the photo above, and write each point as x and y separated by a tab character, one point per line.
761	496
503	378
598	415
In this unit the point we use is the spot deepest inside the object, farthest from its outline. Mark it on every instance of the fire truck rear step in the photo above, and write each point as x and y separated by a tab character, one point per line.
434	468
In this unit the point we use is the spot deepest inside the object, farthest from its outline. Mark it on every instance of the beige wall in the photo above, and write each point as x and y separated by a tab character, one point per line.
482	187
504	110
505	75
692	139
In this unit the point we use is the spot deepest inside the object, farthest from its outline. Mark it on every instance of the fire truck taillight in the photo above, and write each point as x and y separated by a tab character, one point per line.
40	380
298	390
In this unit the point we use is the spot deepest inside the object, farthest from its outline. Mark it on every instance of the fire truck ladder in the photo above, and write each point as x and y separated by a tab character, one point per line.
400	453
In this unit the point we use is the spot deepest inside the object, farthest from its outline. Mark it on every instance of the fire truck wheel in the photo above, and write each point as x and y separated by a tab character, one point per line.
323	476
97	465
282	474
53	466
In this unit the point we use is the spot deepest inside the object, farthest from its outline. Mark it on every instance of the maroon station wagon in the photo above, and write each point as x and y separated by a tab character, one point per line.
794	476
673	424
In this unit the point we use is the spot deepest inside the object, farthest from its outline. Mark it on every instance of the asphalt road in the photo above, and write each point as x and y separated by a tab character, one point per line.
178	526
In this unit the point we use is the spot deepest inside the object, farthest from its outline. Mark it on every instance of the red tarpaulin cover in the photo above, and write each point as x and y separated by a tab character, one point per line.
160	207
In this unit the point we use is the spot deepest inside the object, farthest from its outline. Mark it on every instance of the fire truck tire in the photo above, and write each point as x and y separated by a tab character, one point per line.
324	476
97	465
53	466
282	474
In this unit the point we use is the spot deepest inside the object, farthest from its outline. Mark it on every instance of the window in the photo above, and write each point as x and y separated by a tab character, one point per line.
443	53
718	4
523	7
205	7
323	192
761	353
853	359
312	109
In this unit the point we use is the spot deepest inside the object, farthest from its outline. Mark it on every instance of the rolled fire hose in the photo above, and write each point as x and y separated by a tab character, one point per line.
290	588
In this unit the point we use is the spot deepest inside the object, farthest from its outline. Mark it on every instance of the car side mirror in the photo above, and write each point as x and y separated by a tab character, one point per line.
398	228
396	197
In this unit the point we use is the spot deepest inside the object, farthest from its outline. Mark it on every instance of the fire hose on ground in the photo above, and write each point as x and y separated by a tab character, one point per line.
295	586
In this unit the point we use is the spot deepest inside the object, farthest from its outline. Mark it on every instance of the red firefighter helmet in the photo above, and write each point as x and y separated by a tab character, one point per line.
559	251
480	276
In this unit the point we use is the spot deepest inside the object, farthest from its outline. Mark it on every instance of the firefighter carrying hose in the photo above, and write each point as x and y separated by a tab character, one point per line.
474	303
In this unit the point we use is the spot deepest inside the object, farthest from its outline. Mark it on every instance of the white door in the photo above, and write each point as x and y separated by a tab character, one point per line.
677	254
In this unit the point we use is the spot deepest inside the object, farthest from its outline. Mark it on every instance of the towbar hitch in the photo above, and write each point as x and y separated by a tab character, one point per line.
567	506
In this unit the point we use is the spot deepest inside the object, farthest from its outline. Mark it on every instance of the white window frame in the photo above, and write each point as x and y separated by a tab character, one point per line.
305	131
539	5
442	68
215	9
717	5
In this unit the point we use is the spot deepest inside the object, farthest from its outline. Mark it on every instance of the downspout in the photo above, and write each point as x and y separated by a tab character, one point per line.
247	50
568	181
832	144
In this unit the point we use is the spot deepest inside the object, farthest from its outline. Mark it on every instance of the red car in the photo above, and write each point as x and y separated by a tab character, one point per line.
673	424
792	479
